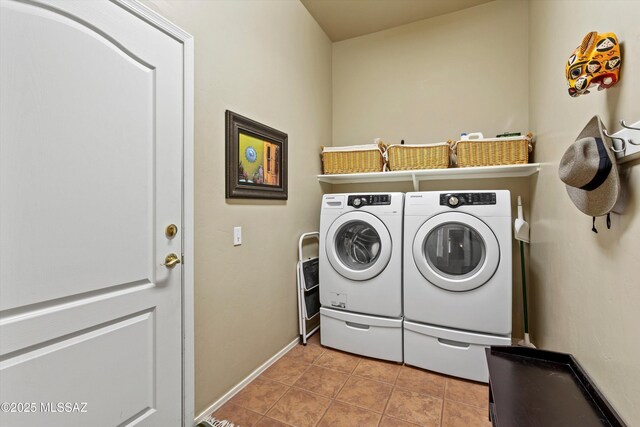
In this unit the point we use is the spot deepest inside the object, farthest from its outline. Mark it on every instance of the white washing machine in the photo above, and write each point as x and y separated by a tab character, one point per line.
457	279
361	273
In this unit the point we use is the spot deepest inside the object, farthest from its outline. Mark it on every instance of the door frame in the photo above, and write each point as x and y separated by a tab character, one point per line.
156	20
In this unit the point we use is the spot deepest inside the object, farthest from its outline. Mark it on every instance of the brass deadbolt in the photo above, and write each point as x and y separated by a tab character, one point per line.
171	231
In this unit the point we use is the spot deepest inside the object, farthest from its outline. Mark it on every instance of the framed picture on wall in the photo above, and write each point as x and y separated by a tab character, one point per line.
256	159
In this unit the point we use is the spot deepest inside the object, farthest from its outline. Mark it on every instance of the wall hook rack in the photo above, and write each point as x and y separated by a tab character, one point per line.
623	142
626	141
624	125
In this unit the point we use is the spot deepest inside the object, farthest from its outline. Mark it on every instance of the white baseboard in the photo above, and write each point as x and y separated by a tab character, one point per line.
253	375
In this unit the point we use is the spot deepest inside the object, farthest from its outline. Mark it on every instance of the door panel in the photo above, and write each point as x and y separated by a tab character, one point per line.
46	322
90	175
60	381
73	156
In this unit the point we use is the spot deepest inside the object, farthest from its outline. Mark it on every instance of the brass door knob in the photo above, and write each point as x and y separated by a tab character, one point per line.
171	260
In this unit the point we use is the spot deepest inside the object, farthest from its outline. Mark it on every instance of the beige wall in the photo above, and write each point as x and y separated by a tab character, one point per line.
269	61
585	287
430	80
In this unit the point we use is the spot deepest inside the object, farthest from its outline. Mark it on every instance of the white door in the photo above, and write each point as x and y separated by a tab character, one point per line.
358	245
456	251
91	136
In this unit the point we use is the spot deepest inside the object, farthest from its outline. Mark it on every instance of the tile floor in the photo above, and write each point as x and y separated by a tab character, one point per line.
317	386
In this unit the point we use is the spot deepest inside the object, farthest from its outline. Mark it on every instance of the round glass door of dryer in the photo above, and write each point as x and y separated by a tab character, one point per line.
358	246
456	252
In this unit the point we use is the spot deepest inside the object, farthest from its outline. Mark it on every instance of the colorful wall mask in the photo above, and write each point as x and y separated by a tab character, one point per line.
595	63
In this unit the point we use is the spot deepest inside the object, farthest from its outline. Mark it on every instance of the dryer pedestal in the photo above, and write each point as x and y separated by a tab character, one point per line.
371	336
449	351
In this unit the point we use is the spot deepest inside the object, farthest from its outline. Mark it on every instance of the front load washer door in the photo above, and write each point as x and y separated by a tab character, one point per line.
456	251
358	245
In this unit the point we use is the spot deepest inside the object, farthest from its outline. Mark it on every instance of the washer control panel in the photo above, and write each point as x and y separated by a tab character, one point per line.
358	201
453	200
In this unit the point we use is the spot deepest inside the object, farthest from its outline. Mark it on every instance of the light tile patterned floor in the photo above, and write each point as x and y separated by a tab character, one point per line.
317	386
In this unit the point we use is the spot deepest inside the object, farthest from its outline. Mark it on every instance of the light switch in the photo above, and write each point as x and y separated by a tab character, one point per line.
237	236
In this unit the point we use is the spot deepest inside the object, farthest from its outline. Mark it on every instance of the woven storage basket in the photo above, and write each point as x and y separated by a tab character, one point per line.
493	151
353	159
423	156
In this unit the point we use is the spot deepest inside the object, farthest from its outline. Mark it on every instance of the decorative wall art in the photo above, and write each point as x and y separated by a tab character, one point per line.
256	159
595	63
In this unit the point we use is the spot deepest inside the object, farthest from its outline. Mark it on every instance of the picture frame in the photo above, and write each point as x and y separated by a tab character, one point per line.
255	158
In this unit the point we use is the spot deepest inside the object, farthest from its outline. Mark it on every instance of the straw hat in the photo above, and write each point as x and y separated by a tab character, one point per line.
590	172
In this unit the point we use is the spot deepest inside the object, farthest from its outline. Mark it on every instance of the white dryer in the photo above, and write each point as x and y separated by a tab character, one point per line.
361	273
457	279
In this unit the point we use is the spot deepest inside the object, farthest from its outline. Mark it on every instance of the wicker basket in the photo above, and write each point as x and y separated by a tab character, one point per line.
353	159
423	156
493	151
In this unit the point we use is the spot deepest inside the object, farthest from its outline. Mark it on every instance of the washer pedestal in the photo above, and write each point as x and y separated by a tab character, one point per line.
371	336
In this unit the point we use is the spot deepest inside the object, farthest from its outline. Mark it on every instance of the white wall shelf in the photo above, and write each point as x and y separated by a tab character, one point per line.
415	176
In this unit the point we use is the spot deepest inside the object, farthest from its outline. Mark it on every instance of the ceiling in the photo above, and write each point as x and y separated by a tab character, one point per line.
345	19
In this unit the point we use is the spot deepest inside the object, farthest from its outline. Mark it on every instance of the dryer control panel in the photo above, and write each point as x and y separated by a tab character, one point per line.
453	200
358	201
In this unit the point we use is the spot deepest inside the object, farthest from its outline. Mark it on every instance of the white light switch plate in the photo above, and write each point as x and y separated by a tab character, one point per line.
237	236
